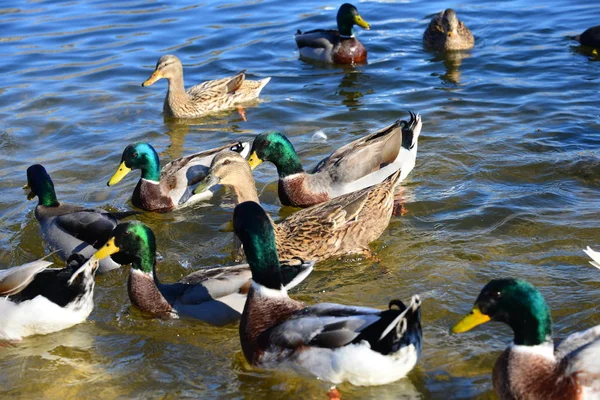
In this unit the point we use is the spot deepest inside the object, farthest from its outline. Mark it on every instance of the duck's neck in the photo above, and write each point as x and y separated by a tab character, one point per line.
346	29
533	329
47	197
245	190
151	169
145	260
176	93
288	164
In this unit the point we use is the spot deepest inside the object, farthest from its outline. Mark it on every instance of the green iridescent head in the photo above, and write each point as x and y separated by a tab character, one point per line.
140	156
40	184
254	229
275	147
515	302
132	243
347	17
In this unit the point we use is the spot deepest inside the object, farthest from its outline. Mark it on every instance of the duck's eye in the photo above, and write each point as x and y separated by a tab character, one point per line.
495	295
226	162
267	143
135	155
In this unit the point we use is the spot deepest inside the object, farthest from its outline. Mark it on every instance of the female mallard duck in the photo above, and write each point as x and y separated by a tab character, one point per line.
344	225
168	188
355	166
69	228
35	300
446	33
205	98
531	368
335	46
215	295
594	255
590	38
333	342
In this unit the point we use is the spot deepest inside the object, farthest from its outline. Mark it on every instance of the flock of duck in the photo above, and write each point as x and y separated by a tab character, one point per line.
347	201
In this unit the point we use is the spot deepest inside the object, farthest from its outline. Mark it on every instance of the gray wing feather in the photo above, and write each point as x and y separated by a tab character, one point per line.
15	279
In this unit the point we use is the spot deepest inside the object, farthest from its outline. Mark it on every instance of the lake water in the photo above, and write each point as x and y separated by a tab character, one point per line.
506	183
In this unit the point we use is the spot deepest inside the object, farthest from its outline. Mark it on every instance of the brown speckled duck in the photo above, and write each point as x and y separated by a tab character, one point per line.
335	46
531	368
213	295
344	225
355	166
205	98
446	32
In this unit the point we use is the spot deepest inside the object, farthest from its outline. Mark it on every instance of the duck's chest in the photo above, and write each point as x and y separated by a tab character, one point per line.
294	191
148	195
349	51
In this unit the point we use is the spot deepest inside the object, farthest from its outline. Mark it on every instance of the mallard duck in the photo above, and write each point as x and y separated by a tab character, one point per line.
343	225
446	32
335	46
205	98
333	342
590	38
214	295
594	255
355	166
68	228
531	368
171	187
35	300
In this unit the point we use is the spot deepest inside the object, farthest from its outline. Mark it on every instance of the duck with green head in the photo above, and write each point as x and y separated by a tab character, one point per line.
532	368
37	300
340	226
362	163
68	228
335	46
333	342
205	98
166	189
212	295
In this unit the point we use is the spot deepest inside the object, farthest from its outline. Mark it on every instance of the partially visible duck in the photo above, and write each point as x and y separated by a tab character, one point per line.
171	187
68	228
212	295
205	98
594	255
531	367
332	342
355	166
340	226
335	46
590	38
35	300
446	32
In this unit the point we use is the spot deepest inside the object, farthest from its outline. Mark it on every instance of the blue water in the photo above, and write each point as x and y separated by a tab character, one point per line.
506	184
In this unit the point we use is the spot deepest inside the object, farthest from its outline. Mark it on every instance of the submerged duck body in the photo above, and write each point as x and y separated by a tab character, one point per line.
35	300
171	187
205	98
333	342
446	33
335	46
69	228
214	295
531	367
355	166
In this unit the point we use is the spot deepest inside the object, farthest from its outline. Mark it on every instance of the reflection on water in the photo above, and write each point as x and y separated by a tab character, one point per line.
452	61
350	88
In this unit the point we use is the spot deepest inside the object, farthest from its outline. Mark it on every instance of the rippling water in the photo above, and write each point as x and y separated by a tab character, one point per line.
506	182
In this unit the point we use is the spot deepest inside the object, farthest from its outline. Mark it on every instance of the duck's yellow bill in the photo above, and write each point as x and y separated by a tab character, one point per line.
109	248
226	227
120	174
361	22
28	192
474	318
254	160
153	78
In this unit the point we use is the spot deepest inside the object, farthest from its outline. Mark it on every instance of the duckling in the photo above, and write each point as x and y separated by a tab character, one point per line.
68	228
213	295
532	368
166	189
335	46
332	342
446	32
35	300
205	98
355	166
